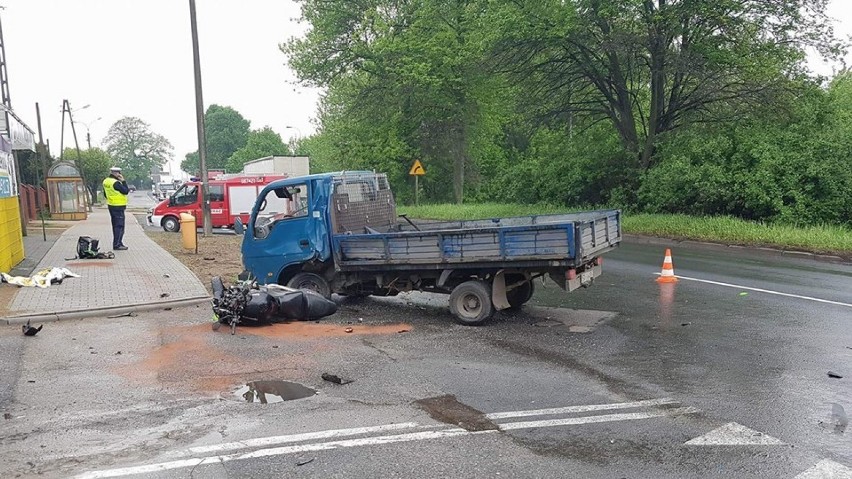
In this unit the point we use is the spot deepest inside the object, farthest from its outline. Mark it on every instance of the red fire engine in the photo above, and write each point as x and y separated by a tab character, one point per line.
230	197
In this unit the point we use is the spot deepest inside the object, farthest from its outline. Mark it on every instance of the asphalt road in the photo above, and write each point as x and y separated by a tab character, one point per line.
724	374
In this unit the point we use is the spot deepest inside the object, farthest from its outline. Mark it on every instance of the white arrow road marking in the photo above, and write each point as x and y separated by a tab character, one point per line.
760	290
827	469
389	439
734	434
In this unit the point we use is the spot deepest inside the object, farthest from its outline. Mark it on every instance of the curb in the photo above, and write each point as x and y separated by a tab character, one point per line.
642	239
101	312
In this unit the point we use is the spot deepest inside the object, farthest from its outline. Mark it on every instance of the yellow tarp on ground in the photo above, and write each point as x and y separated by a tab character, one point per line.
11	237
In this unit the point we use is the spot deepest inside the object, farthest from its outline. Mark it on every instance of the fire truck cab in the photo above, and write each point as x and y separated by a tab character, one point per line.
230	197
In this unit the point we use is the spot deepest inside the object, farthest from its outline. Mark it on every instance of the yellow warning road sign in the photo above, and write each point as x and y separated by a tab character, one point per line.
417	169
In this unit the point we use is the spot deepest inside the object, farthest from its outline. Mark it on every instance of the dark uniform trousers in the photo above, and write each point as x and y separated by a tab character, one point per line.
116	214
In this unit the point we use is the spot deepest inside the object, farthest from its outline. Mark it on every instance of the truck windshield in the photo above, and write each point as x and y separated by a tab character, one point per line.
186	195
280	204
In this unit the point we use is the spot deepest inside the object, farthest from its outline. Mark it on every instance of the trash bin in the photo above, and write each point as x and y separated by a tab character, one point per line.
188	231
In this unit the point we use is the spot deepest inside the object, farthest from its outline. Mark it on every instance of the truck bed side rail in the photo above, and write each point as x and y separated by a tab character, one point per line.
559	241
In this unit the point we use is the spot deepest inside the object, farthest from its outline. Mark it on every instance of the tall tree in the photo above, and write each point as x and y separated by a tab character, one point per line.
652	66
410	63
226	131
260	143
94	165
137	149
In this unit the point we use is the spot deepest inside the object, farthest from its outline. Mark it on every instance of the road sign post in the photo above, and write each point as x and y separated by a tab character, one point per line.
417	171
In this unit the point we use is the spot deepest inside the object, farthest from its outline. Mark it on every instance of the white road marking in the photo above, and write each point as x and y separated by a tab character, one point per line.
308	436
389	439
578	409
827	469
323	446
274	440
632	416
734	434
768	291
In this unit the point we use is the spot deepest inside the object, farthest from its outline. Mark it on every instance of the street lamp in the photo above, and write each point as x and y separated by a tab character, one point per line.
87	125
294	128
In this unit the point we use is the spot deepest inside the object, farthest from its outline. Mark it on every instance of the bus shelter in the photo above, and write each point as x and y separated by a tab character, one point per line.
66	192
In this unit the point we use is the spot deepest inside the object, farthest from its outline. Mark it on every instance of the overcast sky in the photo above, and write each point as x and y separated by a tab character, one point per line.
134	58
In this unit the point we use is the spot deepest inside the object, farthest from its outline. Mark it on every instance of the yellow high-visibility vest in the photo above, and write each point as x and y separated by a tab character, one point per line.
113	196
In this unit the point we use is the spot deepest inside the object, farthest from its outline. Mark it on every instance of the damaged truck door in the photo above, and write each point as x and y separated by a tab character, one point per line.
339	233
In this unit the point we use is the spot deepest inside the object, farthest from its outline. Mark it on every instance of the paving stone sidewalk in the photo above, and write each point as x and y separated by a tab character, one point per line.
144	275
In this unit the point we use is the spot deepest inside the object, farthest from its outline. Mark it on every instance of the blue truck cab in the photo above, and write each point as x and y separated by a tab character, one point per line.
340	233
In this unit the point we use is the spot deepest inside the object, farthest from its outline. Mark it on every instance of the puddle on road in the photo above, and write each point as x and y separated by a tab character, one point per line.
267	392
449	410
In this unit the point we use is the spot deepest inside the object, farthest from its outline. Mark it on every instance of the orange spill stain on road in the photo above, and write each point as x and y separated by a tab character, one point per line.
310	330
200	359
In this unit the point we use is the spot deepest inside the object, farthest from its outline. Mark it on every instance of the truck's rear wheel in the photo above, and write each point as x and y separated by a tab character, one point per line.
520	295
311	281
470	302
171	224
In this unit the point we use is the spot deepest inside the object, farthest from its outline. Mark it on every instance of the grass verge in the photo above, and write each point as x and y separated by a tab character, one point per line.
827	239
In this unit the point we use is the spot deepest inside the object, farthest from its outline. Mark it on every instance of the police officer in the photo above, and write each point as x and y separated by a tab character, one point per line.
116	191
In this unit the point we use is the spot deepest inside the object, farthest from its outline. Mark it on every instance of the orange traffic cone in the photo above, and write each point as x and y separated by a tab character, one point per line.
667	276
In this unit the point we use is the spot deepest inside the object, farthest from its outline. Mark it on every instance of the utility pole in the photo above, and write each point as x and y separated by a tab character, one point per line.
199	118
40	154
67	106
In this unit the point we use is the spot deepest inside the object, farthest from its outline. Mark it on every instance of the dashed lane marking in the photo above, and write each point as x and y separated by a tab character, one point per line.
396	438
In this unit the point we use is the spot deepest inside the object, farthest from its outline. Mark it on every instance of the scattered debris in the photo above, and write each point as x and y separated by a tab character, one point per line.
29	330
685	324
167	309
349	330
124	315
164	295
209	259
7	415
93	352
275	347
580	329
403	330
360	320
30	380
743	294
302	462
118	353
166	275
834	375
549	323
335	379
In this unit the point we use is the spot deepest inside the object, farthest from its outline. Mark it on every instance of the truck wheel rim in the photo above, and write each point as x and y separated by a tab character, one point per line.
470	305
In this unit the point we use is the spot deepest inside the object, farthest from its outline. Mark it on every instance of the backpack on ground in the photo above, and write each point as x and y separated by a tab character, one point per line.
87	248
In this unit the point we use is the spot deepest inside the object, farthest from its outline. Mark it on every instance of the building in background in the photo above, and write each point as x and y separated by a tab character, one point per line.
14	135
